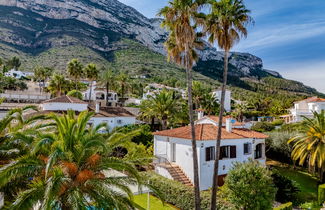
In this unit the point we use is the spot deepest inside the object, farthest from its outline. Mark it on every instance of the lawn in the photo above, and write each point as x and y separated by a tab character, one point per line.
155	203
307	183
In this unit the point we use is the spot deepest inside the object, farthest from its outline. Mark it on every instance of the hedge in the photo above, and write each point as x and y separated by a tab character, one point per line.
180	195
321	194
285	206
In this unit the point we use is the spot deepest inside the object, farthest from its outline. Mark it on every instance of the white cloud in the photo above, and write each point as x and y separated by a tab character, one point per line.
281	34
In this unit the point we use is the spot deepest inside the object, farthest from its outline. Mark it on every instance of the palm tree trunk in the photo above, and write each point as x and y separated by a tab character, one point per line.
76	83
195	159
216	161
107	88
91	88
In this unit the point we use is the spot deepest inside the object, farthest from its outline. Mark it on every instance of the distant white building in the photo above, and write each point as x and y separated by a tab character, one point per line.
112	116
304	108
99	94
173	150
154	88
217	95
18	74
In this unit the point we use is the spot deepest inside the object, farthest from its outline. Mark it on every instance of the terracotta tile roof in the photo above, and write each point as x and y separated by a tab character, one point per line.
209	132
65	99
216	119
104	112
111	112
312	99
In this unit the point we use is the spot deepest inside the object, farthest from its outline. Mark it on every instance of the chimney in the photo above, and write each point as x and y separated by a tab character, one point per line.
229	125
200	114
97	108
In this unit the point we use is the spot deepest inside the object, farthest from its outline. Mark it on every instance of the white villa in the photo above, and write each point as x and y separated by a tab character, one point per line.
174	151
217	95
18	74
153	88
304	108
99	94
113	116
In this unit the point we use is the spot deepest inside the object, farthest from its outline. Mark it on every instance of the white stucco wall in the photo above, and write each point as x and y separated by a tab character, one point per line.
162	147
217	95
64	107
113	122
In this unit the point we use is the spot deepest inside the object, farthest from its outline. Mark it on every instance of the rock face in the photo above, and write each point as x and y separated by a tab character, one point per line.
98	24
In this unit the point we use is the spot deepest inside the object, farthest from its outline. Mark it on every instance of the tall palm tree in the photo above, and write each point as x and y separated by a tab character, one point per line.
226	24
41	75
309	144
181	18
75	70
70	168
123	81
91	73
161	106
107	78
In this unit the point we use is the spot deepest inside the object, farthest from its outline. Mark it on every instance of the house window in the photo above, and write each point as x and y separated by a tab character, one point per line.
210	153
247	148
259	151
227	152
119	121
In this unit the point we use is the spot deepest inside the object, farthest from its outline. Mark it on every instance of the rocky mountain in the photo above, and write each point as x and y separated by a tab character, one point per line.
51	32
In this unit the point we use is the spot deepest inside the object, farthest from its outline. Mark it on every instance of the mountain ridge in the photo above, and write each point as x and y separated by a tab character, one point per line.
37	30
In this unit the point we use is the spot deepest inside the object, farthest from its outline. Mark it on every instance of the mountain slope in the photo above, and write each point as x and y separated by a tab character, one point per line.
52	32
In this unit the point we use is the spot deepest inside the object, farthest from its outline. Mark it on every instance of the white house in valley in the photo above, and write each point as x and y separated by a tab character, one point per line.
304	108
112	116
100	95
217	95
173	150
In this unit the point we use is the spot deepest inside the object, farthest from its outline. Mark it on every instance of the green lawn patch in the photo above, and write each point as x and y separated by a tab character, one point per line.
307	183
155	203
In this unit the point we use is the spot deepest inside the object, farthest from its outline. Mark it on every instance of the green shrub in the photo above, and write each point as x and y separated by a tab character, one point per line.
180	195
250	186
76	94
277	146
310	205
263	127
277	122
287	189
285	206
321	194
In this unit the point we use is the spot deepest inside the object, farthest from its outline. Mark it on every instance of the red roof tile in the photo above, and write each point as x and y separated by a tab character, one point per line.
209	132
65	99
216	119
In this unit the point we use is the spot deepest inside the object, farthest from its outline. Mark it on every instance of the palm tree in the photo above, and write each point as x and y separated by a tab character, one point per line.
226	24
13	63
161	106
123	81
41	75
57	85
209	104
108	79
181	18
70	168
76	94
91	73
75	70
309	144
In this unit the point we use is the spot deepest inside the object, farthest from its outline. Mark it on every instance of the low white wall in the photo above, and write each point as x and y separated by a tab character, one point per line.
163	172
64	107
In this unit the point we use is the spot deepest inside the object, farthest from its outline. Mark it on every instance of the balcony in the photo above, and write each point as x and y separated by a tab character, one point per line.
301	112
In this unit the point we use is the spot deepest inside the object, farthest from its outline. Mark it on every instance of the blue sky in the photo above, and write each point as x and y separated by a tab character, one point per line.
289	35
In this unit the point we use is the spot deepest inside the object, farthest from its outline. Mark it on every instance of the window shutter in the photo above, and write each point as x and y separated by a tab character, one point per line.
213	150
249	148
232	151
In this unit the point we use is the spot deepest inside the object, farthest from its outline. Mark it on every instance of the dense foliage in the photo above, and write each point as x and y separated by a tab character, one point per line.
250	186
66	164
180	195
